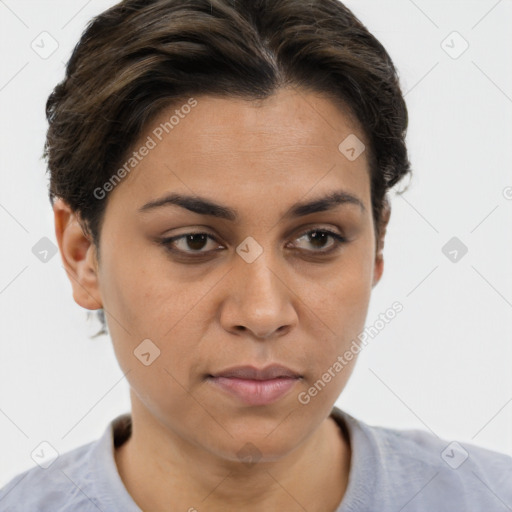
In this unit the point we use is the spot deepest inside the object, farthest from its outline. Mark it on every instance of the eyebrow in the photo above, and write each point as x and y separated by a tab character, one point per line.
203	206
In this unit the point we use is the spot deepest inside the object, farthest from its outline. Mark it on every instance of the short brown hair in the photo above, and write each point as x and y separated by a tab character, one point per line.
143	55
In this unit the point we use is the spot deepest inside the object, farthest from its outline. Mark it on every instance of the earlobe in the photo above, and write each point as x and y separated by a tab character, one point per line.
78	254
379	252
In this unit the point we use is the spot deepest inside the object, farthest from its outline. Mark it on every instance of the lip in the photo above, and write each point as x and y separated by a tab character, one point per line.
255	386
272	371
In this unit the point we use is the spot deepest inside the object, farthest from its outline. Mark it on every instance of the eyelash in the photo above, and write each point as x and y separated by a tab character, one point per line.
168	243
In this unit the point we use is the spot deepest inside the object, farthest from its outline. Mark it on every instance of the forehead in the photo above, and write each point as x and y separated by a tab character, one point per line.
289	142
297	116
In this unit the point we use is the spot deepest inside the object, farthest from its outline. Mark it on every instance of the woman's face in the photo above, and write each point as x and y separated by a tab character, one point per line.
256	290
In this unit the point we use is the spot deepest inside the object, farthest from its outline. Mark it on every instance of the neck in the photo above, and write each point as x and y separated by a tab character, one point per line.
162	472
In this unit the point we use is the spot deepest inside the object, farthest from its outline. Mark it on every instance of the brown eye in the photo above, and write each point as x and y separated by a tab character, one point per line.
190	243
319	238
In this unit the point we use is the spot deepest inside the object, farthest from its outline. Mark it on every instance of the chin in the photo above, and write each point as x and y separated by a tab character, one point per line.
263	440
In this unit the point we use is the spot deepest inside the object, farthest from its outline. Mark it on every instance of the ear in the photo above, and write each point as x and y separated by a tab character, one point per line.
78	254
379	257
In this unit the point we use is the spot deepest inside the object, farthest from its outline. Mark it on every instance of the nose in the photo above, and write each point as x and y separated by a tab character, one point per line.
258	299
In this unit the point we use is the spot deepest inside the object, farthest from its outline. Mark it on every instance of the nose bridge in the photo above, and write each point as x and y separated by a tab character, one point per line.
258	300
256	269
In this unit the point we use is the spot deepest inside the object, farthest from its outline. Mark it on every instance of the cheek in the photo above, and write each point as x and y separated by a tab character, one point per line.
340	306
138	289
147	302
154	336
341	298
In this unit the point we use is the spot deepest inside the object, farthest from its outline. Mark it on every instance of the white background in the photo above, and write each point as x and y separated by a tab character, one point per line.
444	364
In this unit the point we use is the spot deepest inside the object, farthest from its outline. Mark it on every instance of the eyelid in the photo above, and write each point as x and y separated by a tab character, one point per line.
338	238
166	242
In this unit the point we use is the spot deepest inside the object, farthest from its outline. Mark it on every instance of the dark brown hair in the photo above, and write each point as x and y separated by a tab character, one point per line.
141	56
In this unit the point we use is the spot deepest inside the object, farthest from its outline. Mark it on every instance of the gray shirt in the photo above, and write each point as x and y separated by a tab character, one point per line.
391	470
